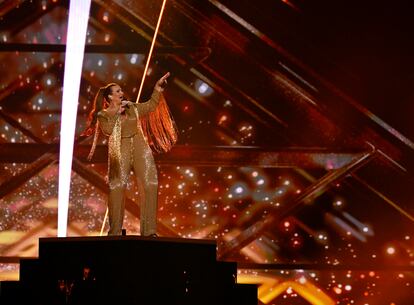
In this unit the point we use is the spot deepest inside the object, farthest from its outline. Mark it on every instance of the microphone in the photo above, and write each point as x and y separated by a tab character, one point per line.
124	103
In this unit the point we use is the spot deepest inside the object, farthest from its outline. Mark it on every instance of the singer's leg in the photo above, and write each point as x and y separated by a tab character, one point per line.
116	207
147	179
116	200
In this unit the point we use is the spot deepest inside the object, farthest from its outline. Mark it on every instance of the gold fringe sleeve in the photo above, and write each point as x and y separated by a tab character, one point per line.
159	127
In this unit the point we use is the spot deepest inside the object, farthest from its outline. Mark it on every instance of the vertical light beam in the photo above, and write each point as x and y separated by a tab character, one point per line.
75	46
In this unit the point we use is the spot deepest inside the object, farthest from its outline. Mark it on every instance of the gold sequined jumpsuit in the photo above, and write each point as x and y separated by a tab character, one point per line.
135	154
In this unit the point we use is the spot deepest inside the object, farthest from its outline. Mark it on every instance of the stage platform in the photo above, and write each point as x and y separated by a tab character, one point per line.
127	270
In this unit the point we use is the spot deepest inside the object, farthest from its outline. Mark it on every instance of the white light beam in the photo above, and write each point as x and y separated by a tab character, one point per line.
75	46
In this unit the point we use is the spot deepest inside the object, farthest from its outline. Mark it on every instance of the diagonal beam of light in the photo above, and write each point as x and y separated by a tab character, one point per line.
151	49
75	46
271	287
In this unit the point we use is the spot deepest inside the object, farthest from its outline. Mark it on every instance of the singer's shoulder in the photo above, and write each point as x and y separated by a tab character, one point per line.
105	113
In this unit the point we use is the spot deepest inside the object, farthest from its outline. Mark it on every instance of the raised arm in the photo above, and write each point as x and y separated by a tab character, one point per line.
149	106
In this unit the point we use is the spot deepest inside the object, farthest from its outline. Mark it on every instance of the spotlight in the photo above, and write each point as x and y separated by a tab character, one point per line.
337	290
296	242
287	226
48	80
105	17
390	250
136	59
203	88
239	190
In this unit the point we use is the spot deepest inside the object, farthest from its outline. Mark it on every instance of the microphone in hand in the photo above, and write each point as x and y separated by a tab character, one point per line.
125	104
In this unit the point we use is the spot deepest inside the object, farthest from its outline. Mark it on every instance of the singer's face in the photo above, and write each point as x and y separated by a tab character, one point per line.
116	95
